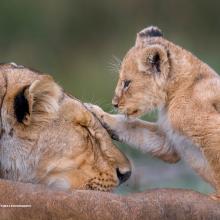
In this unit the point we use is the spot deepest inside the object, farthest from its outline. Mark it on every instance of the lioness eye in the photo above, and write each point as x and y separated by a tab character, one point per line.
126	83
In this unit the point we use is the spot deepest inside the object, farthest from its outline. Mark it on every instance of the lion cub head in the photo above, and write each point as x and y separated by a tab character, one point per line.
50	137
150	72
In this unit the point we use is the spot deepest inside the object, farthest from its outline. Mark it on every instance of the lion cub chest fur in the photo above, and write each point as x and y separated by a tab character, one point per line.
187	150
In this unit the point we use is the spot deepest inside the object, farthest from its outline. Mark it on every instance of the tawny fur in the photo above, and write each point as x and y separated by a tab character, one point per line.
185	91
59	143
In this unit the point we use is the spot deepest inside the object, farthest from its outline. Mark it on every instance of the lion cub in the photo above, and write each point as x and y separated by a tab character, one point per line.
157	74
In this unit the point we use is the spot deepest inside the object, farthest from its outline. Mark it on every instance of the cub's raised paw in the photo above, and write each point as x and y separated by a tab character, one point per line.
96	110
108	121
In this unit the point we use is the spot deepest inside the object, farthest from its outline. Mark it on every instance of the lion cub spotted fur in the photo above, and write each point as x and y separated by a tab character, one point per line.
157	74
51	138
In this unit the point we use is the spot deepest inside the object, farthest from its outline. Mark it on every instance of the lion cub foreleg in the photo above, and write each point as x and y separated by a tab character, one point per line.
140	134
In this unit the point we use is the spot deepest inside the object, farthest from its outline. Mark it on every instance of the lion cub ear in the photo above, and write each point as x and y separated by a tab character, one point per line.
37	101
146	34
154	60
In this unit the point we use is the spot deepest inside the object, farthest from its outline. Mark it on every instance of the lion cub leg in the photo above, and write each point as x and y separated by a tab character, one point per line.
140	134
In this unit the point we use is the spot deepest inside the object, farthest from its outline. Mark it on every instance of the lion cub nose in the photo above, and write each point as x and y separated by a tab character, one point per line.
115	105
123	176
115	102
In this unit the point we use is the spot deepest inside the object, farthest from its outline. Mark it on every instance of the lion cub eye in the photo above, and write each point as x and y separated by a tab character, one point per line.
126	84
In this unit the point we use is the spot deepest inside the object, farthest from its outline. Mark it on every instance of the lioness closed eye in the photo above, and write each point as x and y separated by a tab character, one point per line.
51	138
157	74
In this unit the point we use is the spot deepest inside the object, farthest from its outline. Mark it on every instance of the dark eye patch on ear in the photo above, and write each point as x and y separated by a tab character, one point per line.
155	61
21	106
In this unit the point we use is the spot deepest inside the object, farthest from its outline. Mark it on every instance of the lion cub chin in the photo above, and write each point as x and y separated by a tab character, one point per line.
158	74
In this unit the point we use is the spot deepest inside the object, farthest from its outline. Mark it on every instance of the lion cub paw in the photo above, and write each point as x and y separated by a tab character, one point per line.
108	121
96	110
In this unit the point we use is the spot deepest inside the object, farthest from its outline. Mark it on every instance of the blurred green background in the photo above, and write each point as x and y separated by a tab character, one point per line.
77	41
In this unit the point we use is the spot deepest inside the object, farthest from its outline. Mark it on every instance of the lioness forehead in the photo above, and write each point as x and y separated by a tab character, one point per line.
18	72
13	66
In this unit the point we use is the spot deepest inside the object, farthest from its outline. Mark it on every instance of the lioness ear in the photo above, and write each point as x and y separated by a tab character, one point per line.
154	59
37	101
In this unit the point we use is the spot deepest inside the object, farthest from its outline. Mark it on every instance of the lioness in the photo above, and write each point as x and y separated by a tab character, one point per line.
157	74
51	138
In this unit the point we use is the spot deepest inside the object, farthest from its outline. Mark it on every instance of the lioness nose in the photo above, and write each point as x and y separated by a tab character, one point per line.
123	176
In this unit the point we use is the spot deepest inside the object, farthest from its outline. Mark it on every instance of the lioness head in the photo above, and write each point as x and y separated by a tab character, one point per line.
50	137
149	71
